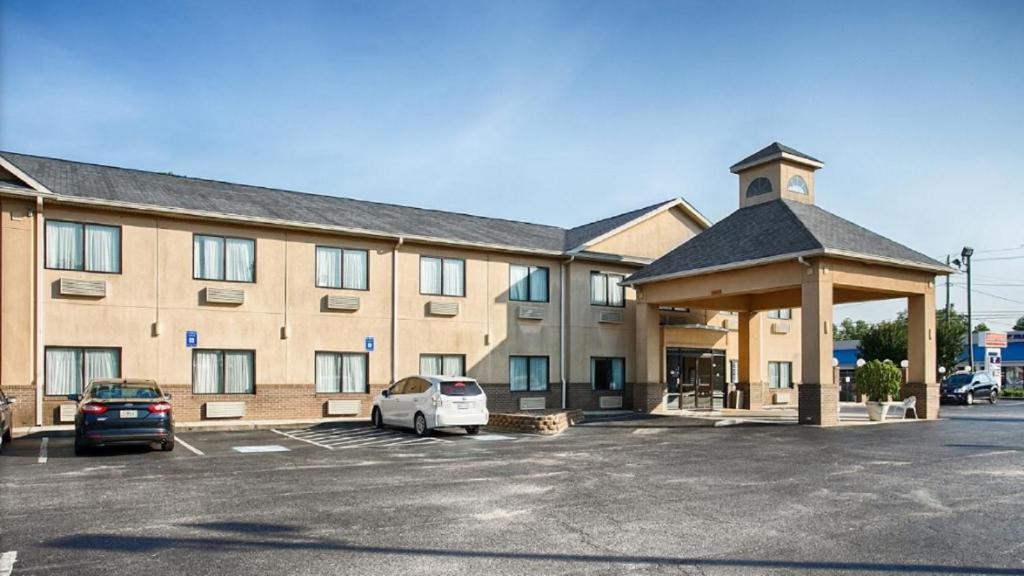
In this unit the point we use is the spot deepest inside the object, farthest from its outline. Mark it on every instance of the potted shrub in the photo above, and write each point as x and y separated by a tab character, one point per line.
878	381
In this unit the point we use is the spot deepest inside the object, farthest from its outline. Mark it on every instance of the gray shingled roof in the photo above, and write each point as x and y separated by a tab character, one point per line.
770	151
774	229
93	181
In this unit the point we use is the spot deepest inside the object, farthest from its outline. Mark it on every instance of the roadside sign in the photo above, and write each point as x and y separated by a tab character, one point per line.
191	339
369	343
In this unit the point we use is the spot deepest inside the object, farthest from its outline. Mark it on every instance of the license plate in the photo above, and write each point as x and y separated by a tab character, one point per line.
463	406
129	413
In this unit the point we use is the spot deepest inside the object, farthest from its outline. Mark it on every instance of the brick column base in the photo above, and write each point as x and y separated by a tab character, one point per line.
753	394
648	397
818	404
927	398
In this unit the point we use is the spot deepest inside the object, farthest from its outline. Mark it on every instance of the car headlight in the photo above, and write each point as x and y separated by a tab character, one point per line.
961	389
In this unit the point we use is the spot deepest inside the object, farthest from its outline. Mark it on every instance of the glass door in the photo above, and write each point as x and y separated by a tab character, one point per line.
673	377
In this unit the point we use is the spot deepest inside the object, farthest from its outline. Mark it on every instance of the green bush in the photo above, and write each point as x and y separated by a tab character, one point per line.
1013	393
878	380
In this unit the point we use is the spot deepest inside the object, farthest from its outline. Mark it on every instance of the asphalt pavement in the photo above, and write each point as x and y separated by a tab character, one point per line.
616	496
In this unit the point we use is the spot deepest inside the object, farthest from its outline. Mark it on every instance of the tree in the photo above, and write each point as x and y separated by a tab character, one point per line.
850	329
886	340
981	327
1020	324
949	337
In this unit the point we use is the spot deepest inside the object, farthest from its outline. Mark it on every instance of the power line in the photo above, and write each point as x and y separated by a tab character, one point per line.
999	258
1021	247
989	294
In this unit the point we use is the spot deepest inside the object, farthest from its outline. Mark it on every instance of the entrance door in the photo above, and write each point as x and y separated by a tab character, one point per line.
673	378
695	379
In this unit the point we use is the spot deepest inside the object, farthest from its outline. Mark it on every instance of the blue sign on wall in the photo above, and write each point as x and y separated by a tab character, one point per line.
191	339
369	343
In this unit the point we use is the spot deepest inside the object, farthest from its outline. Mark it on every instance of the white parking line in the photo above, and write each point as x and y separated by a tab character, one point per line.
42	450
7	560
294	437
190	447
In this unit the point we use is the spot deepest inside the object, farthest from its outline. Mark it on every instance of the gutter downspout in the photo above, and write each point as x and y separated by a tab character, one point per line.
39	376
394	309
561	326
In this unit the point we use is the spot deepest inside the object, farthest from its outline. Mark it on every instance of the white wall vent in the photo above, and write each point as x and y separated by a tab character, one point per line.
225	409
224	296
87	288
342	302
780	398
780	327
731	324
536	403
610	402
435	308
67	412
531	313
342	407
610	317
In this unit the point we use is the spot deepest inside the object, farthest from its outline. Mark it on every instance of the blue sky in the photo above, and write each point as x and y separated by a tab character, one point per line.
553	112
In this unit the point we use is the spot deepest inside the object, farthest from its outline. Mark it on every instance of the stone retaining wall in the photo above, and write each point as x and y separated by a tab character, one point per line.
539	422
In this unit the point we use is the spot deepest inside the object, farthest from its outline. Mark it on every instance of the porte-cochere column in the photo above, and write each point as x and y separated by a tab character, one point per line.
818	393
921	354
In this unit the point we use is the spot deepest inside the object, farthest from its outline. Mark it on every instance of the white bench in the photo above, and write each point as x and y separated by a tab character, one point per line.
909	404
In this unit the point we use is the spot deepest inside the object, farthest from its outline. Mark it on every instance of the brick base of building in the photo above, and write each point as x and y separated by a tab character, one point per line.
927	398
818	404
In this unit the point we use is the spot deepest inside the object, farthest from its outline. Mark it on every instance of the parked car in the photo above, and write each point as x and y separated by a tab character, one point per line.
428	402
6	419
123	412
967	388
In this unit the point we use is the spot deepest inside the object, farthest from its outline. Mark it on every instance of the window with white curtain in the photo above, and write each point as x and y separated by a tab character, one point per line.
528	283
607	290
341	372
442	365
528	373
223	371
608	373
223	258
780	374
78	246
442	276
341	268
69	370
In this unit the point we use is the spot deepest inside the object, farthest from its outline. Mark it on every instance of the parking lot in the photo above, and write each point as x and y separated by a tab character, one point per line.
650	495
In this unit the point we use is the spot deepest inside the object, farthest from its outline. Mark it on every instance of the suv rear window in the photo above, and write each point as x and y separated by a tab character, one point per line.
123	391
460	389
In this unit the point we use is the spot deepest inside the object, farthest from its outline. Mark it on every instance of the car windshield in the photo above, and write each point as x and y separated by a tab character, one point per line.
119	391
460	389
959	379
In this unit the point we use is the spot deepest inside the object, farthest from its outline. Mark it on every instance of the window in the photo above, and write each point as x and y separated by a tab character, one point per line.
340	372
528	373
797	185
759	186
528	283
341	268
88	247
70	370
221	258
734	371
607	373
222	371
442	365
780	374
442	276
606	289
783	314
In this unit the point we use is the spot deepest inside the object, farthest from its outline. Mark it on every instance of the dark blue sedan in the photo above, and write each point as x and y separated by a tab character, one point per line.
123	412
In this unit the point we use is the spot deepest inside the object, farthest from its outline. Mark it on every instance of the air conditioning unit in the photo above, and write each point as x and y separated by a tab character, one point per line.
225	409
780	398
85	288
233	296
531	313
610	317
67	412
780	327
341	302
343	407
610	402
537	403
435	308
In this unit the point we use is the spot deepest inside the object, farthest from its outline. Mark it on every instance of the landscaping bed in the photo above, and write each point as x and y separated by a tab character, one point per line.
535	421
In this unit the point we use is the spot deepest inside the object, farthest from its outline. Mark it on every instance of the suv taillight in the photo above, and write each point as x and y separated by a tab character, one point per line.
94	409
160	407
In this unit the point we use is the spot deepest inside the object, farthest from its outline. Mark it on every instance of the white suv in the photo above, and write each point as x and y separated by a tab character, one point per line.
428	402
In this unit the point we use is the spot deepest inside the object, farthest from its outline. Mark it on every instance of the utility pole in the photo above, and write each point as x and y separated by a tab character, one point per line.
947	294
966	254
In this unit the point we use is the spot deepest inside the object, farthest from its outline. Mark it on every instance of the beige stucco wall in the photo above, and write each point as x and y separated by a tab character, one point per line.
779	173
653	237
17	326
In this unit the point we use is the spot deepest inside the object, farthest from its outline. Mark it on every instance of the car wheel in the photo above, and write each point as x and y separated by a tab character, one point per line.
419	424
969	399
376	418
993	397
472	430
168	446
7	436
3	440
